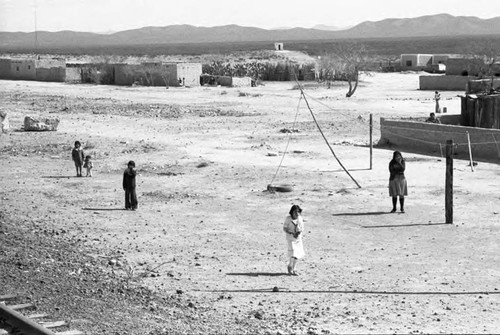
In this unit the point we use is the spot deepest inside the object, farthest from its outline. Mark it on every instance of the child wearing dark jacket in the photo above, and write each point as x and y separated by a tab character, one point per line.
78	157
129	186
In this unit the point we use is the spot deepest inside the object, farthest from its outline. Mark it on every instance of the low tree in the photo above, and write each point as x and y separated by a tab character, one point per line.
165	74
487	54
347	61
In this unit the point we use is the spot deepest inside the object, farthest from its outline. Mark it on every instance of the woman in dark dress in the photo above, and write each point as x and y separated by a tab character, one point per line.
397	181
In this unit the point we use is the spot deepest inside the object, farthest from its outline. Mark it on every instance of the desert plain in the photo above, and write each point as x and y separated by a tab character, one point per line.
205	252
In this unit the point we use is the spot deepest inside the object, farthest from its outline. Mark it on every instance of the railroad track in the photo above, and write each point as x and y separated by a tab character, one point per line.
20	319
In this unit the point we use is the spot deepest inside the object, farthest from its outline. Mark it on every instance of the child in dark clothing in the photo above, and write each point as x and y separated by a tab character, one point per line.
78	157
129	186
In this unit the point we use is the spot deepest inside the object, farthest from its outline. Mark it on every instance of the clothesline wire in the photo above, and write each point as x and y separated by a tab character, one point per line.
288	142
321	132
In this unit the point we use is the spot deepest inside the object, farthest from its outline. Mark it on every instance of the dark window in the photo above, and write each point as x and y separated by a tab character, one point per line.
17	68
408	63
29	67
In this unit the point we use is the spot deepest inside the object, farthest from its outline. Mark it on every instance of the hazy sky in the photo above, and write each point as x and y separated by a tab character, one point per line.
117	15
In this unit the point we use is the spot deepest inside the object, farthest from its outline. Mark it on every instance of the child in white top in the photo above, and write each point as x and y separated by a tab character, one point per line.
88	165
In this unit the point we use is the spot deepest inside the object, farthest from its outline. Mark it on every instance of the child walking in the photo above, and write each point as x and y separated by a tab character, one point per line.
294	228
77	156
129	186
88	165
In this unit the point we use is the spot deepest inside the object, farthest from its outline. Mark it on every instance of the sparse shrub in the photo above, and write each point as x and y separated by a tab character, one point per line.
202	164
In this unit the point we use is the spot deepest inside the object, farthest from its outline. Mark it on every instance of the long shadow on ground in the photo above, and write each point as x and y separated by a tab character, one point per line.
103	209
359	214
257	274
361	292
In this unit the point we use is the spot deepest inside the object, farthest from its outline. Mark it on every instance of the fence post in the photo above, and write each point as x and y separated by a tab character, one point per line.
449	182
371	141
470	152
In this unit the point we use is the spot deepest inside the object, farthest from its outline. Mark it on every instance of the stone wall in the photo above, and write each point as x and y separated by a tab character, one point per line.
430	139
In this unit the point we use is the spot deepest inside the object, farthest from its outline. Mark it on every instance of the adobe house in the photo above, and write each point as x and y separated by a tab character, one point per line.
17	69
415	62
189	73
74	72
439	59
158	74
49	69
460	75
5	68
278	46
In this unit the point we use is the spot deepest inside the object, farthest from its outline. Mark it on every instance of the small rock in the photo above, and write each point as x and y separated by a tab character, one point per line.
32	124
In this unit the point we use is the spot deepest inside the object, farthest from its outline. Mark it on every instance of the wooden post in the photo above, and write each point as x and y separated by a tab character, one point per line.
470	152
449	182
24	324
371	141
496	143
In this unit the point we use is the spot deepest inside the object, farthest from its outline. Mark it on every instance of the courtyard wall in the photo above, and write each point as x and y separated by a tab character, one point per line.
430	138
444	83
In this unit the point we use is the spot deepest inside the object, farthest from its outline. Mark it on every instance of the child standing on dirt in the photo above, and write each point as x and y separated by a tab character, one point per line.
129	186
78	157
397	181
294	227
437	97
88	165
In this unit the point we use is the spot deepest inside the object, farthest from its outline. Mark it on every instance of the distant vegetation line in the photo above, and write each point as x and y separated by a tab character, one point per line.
377	47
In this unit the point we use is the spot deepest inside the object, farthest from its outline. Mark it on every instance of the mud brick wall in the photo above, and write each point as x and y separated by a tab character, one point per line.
73	75
444	83
23	69
430	138
5	69
53	70
191	73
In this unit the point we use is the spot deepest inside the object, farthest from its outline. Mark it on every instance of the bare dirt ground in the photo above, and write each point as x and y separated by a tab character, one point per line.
205	249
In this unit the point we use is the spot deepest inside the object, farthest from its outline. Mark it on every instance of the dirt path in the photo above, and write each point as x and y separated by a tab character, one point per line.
208	227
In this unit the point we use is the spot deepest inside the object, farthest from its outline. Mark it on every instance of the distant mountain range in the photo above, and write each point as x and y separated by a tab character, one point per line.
432	25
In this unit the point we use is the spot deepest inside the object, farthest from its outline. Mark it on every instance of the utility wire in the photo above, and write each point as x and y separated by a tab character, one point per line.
289	138
319	128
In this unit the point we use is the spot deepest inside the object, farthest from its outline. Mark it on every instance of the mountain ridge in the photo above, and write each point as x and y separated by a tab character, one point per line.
423	26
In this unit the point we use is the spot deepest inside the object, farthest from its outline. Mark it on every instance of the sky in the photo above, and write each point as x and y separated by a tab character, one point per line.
104	16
